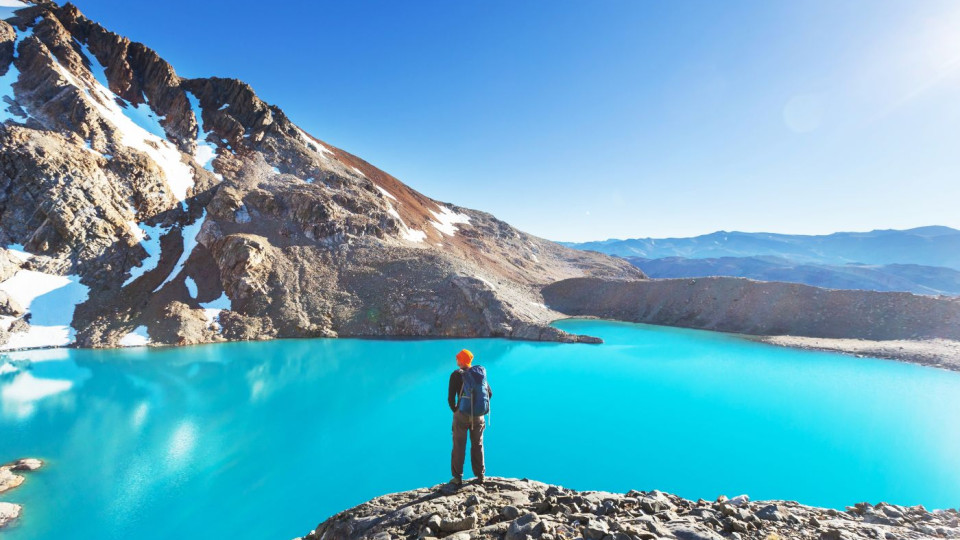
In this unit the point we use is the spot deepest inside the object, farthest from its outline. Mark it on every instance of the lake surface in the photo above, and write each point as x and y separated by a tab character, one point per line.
265	440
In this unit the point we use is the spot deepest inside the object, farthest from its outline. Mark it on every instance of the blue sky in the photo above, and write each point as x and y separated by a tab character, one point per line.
592	120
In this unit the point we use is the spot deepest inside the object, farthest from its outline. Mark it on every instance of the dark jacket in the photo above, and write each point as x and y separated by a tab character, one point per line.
453	389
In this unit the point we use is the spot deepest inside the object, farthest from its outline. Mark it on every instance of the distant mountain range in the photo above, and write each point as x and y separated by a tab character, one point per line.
928	246
924	260
934	280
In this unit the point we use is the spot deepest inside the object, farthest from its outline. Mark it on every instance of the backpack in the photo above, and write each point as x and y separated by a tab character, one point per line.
474	398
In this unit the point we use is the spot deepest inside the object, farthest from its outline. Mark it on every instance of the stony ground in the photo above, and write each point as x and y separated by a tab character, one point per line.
941	353
522	509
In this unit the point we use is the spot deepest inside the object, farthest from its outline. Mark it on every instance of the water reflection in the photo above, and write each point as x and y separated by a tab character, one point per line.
30	378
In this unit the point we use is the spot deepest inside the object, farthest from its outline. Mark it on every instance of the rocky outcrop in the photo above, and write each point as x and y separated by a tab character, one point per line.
8	513
512	509
9	479
190	211
760	308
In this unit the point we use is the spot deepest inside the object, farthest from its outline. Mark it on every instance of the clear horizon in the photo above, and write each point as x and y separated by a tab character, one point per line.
619	120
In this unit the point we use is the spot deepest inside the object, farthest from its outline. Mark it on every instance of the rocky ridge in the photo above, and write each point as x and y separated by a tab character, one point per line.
513	509
842	319
178	211
760	308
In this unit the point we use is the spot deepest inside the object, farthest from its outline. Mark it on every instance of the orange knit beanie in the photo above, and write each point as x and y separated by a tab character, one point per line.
464	358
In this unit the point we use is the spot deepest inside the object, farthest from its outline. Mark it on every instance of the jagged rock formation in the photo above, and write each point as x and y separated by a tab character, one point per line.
180	211
521	509
760	308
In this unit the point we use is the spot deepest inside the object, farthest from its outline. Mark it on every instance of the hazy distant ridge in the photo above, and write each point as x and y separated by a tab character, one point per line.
928	246
918	279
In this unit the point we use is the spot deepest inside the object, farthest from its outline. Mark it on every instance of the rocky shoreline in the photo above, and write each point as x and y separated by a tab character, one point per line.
10	512
940	353
512	509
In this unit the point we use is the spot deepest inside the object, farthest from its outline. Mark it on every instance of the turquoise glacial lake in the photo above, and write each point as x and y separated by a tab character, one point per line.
265	440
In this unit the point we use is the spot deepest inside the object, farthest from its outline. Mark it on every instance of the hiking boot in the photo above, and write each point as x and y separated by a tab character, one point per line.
457	481
479	480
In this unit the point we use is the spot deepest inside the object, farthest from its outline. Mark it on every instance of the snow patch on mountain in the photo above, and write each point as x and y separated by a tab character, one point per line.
96	69
408	234
447	220
223	302
206	151
138	126
213	308
144	117
16	251
136	338
48	299
8	110
191	286
8	7
412	235
150	242
135	231
189	233
386	193
311	142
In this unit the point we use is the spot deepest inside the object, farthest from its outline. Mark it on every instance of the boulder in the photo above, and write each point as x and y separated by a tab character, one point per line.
772	512
27	464
510	512
655	502
8	480
693	532
9	306
527	525
8	513
461	524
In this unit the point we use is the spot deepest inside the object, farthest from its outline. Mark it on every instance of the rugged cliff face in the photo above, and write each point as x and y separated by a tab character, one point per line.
138	206
511	509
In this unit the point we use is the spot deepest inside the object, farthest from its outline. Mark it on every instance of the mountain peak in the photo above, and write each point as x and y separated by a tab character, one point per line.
196	211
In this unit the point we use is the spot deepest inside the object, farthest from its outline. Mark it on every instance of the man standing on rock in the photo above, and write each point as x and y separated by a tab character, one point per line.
469	384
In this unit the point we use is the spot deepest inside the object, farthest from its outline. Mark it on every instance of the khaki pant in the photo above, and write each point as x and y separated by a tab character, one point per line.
461	425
